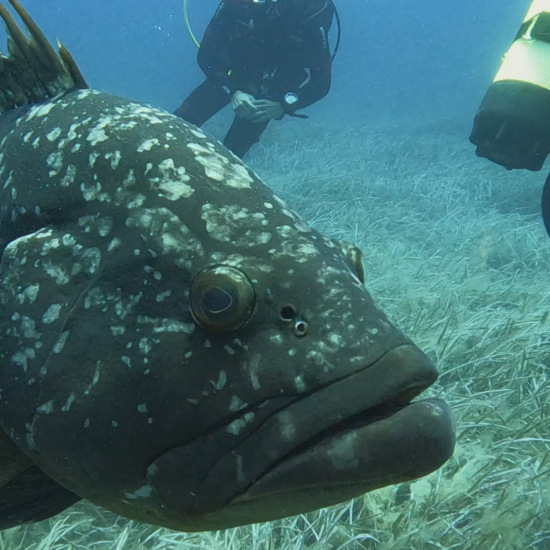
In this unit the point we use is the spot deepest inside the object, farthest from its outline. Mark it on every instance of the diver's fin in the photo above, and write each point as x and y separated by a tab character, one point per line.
33	71
32	496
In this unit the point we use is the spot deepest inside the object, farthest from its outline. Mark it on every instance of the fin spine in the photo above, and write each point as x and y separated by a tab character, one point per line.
32	71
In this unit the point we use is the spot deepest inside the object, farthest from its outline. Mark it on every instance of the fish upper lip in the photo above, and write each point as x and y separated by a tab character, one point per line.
381	388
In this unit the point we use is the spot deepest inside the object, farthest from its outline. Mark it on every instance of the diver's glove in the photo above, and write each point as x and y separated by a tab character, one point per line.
512	126
266	110
243	105
256	110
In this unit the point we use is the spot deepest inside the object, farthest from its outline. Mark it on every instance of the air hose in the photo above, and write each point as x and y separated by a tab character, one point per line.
188	25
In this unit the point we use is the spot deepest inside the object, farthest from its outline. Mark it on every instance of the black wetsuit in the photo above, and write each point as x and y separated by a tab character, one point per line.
284	57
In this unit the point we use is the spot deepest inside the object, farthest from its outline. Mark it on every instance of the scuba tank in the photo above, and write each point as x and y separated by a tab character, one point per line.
512	125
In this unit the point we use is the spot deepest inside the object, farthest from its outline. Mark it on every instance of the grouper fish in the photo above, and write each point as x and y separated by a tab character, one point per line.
176	345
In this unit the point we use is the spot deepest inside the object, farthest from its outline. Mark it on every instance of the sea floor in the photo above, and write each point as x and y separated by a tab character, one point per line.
456	254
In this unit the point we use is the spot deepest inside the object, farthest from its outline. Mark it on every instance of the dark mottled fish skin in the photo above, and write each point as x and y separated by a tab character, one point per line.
108	210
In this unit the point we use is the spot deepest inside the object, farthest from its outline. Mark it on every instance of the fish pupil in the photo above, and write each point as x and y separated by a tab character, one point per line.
216	300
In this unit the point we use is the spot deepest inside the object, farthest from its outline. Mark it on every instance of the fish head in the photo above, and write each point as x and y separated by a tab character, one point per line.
178	346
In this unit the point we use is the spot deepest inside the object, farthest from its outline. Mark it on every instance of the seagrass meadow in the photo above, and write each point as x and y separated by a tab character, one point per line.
456	253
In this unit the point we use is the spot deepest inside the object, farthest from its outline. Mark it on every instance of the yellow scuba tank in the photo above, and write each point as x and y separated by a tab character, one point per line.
528	59
512	125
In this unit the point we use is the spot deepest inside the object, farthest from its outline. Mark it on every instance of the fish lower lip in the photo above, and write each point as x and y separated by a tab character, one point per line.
369	451
366	418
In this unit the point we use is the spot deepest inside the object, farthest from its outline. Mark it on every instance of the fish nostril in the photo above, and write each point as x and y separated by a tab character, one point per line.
288	313
301	329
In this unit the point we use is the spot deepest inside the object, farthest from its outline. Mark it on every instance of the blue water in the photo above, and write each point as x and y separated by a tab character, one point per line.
425	59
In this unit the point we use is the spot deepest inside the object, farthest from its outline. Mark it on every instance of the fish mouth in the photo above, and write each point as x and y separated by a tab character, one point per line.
383	440
360	433
369	451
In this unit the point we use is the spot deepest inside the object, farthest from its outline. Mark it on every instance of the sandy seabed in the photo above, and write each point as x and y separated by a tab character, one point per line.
456	254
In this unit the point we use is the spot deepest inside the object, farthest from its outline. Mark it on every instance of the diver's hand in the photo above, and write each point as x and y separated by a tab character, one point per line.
243	105
265	110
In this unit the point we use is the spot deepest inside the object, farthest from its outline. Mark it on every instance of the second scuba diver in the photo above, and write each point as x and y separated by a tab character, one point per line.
267	59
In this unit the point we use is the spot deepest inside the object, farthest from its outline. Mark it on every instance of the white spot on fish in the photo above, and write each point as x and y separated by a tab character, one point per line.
70	401
20	359
30	293
54	134
147	145
52	314
97	135
163	295
287	426
143	492
69	177
9	180
93	158
240	178
90	192
300	384
40	110
114	244
198	133
60	344
237	425
222	381
46	408
57	273
236	404
254	380
115	159
173	184
55	162
342	452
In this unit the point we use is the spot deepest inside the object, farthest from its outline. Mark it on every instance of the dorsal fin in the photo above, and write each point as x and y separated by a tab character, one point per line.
33	71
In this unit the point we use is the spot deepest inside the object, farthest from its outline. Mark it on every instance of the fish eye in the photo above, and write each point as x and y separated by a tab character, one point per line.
301	329
288	313
222	298
356	257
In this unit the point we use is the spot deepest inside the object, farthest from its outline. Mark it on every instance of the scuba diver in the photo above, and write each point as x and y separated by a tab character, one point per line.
268	59
512	125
